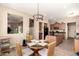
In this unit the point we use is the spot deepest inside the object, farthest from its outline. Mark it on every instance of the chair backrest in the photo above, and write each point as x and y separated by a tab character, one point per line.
19	49
50	38
51	48
29	37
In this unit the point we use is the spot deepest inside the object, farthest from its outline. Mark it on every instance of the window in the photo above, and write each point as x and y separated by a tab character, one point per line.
15	24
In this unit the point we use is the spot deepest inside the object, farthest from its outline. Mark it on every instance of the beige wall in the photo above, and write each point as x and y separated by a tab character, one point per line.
17	37
3	25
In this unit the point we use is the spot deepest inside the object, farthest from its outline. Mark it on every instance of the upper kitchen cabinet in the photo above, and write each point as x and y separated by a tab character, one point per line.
57	26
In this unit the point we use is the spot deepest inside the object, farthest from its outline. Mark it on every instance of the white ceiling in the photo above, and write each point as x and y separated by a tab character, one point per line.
49	10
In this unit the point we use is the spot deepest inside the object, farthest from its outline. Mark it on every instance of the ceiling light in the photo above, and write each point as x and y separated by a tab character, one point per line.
72	13
38	16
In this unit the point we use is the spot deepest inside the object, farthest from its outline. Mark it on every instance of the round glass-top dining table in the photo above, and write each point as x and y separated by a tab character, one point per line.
37	45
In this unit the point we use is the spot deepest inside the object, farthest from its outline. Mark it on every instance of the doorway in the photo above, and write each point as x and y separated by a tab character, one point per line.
71	30
40	30
31	27
45	30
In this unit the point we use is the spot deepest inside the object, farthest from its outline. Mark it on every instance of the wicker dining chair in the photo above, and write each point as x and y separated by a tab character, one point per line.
23	52
29	37
49	51
50	38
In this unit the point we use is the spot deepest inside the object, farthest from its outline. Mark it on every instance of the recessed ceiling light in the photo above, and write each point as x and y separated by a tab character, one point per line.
72	13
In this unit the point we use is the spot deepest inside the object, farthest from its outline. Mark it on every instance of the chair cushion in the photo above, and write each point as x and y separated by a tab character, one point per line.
27	51
43	52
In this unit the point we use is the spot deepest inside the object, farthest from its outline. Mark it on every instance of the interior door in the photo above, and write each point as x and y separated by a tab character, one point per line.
71	30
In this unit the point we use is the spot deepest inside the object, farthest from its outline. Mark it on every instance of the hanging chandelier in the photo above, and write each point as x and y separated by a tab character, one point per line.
38	16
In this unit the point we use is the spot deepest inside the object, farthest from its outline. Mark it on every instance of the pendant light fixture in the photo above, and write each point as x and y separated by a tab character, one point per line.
38	16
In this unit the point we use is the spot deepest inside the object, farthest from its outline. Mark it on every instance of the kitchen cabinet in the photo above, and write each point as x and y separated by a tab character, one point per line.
57	26
76	45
